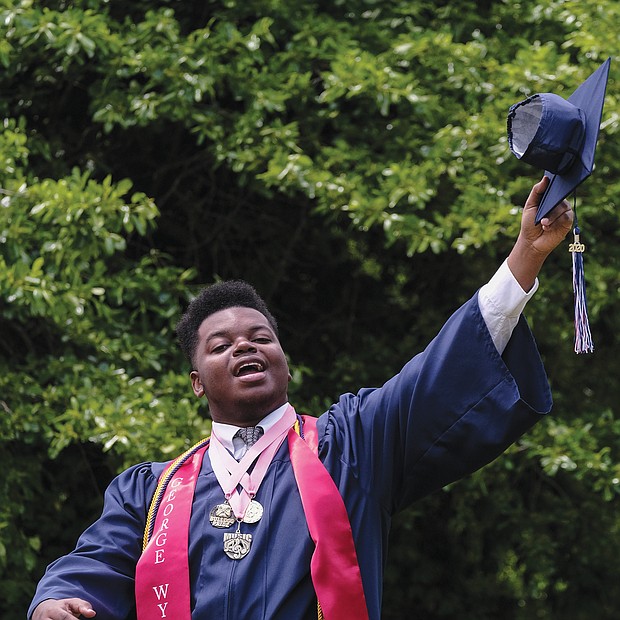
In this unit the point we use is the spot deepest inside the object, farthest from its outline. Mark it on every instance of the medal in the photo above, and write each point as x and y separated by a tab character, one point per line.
239	480
237	545
253	513
222	516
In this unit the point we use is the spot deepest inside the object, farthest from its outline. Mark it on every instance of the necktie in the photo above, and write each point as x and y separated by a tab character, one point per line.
249	435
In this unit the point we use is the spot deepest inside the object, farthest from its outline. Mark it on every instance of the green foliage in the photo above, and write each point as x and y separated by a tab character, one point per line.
348	158
85	349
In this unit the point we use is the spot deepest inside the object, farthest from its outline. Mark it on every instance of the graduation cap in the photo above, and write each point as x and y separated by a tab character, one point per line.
560	135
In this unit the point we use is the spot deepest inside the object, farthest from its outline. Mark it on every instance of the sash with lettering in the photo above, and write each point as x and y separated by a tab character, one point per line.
162	572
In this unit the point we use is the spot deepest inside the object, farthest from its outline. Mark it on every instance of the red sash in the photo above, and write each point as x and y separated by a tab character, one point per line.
334	569
162	572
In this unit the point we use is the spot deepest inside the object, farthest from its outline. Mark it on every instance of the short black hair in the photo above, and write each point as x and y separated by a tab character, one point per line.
212	299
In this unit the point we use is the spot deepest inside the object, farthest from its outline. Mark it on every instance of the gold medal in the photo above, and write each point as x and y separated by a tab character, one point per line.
253	513
237	545
222	516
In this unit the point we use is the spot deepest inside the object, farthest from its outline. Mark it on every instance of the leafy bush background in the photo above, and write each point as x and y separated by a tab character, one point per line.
349	159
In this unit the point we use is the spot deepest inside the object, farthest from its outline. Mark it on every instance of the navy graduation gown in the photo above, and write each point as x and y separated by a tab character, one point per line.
450	410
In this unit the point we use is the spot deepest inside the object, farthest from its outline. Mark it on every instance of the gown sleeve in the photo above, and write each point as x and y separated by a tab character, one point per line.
452	409
101	568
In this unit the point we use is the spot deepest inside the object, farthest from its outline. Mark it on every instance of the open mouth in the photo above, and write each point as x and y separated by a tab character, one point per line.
250	368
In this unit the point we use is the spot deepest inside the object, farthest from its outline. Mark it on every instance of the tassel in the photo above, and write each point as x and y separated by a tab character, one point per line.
583	337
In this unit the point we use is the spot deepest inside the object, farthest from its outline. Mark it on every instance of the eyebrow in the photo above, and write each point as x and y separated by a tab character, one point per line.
223	333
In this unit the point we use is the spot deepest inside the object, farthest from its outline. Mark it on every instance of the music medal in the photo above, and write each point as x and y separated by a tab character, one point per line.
222	516
253	512
237	545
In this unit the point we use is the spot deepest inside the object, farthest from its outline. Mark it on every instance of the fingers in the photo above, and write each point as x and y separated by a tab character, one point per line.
82	608
559	219
63	609
560	216
533	200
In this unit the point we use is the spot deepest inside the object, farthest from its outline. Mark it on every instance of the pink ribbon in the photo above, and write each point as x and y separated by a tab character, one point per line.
231	473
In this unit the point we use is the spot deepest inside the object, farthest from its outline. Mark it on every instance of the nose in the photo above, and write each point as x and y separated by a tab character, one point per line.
243	345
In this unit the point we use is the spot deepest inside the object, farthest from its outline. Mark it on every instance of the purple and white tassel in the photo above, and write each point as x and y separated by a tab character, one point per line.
583	337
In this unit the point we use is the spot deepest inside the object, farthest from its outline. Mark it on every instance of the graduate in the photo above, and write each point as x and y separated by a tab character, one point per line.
282	516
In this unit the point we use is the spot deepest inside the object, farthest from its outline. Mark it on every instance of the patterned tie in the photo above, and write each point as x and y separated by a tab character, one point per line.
250	435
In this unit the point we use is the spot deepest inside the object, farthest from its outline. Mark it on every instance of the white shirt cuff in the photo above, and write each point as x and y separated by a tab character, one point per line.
501	302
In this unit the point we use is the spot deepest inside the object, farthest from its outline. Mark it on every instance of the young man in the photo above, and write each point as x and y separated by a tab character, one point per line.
261	541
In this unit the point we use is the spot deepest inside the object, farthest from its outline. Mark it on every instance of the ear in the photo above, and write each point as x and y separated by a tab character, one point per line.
290	377
197	386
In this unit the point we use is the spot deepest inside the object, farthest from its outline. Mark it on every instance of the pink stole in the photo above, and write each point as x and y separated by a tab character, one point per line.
334	568
162	572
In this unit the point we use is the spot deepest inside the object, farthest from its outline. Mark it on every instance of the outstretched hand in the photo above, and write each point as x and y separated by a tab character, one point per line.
535	242
63	609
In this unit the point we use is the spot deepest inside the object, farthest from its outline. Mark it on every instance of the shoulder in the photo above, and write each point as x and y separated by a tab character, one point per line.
136	484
